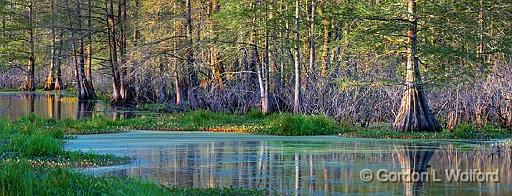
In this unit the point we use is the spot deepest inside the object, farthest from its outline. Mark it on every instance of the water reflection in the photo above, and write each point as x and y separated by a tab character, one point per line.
414	161
57	105
296	166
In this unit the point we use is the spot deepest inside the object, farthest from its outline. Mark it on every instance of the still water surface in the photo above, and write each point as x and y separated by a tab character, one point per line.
56	105
316	165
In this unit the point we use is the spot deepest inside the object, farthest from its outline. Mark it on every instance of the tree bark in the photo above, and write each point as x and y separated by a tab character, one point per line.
29	83
89	52
112	41
312	49
83	91
123	70
191	73
297	87
265	101
177	87
215	65
414	114
50	80
326	41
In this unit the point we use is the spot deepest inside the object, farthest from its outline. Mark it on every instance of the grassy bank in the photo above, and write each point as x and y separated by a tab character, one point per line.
34	162
255	122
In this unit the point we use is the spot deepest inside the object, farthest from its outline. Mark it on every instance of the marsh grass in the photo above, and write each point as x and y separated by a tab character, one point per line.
34	162
289	124
20	178
255	122
463	131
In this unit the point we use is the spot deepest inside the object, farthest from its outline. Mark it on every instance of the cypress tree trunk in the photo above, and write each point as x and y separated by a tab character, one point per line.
176	79
191	75
415	114
88	52
297	87
83	91
29	83
114	65
50	80
325	43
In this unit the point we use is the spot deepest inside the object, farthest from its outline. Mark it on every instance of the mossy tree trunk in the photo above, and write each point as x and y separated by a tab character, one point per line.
415	114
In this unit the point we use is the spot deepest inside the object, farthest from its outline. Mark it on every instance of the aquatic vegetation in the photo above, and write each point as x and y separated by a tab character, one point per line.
289	124
21	178
253	122
462	132
34	162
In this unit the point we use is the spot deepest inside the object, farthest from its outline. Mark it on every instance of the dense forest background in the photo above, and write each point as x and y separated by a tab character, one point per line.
351	60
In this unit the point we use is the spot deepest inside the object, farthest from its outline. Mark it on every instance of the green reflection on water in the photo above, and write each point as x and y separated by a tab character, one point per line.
297	165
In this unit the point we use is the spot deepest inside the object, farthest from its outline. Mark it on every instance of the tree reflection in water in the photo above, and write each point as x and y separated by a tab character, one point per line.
294	167
414	161
56	105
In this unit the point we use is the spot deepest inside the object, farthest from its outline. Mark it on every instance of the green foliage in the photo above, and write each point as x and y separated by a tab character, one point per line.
204	118
464	131
37	145
33	162
19	178
289	124
152	107
255	113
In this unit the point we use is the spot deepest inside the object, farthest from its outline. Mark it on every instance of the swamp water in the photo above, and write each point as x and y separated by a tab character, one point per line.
314	165
14	105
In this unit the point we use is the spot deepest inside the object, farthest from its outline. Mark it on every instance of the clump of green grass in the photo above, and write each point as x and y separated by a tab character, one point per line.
471	131
152	107
20	178
255	113
289	124
463	131
35	138
204	118
37	145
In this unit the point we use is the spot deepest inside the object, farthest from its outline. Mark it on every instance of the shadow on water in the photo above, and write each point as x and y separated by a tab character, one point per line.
298	165
57	105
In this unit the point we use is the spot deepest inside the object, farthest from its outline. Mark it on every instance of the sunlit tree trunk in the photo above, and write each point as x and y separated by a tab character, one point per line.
114	65
177	87
265	101
312	49
84	93
89	52
215	64
30	78
325	43
297	87
414	114
125	90
58	60
50	80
